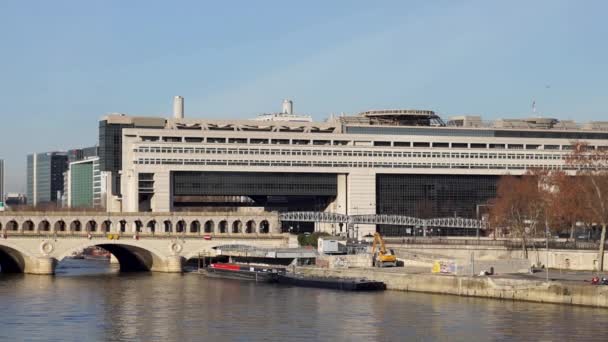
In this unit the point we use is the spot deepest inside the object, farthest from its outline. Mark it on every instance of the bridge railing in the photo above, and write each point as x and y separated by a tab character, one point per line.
509	244
400	220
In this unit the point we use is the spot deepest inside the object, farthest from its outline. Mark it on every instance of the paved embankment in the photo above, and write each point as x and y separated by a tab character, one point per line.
488	287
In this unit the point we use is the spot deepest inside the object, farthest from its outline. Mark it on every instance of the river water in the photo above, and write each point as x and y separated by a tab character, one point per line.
91	301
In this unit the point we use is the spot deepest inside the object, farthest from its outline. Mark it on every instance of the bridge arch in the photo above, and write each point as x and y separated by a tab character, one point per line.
151	226
264	227
168	225
13	259
106	226
237	227
91	226
223	227
209	226
29	226
59	226
180	226
250	227
44	226
75	226
131	257
12	225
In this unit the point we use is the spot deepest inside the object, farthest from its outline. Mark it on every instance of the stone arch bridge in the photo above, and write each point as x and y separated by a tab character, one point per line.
33	242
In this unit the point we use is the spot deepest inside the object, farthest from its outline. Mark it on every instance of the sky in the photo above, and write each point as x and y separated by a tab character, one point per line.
65	64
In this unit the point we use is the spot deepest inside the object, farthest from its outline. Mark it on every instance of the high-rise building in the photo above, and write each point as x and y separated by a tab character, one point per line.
83	187
110	149
45	177
46	173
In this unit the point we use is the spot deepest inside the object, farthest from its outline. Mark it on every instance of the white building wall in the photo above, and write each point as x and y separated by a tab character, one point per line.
361	194
161	201
355	164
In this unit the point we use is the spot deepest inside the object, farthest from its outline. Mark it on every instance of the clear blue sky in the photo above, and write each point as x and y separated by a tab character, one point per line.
64	64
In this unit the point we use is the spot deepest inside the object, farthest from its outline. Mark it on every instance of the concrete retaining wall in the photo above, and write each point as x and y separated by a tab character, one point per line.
488	287
583	260
345	261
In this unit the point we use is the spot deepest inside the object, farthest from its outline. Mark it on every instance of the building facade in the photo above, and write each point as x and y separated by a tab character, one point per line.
45	177
46	182
83	187
405	162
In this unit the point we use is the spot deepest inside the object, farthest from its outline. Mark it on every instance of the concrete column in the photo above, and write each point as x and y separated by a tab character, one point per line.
173	264
338	205
163	192
41	265
129	184
361	197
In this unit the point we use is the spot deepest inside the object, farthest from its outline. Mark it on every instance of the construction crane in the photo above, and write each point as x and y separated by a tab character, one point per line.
383	257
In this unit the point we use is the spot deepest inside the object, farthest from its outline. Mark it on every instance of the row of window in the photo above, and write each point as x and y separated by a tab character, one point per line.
359	164
367	143
347	153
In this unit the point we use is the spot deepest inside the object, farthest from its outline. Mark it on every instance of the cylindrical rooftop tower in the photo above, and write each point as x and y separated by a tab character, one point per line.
287	107
178	107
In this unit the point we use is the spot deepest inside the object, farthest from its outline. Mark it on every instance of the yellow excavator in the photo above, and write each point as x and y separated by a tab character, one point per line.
383	257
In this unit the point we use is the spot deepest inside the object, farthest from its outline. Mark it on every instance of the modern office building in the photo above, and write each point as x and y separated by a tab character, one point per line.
45	174
83	184
45	177
400	161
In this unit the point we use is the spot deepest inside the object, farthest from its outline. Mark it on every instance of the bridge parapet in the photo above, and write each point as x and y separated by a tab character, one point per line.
174	222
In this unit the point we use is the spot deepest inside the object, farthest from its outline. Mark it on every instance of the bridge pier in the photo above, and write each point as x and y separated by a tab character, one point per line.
174	264
41	265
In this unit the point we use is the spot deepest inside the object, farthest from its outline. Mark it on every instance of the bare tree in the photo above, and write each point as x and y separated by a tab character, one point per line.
592	168
567	204
519	206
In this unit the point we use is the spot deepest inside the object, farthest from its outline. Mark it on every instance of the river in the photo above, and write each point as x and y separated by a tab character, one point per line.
91	301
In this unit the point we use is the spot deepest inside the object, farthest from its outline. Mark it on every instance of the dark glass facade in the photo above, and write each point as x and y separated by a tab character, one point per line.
432	196
48	169
110	145
195	183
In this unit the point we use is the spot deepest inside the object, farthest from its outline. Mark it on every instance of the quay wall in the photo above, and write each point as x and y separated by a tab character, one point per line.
486	287
566	259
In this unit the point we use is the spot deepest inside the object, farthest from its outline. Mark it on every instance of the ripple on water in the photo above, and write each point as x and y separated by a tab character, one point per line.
87	301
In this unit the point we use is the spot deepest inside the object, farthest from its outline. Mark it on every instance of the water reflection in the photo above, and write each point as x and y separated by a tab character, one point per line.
85	301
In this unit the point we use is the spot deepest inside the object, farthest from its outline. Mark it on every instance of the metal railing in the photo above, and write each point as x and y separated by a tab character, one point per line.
400	220
509	244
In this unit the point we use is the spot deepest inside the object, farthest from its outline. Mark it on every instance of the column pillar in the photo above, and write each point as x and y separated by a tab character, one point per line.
163	192
173	264
361	198
42	266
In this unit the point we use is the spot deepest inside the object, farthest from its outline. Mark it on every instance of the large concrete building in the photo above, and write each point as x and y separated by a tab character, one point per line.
407	162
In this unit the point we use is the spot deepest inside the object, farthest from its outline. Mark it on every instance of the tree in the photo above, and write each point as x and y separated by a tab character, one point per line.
519	206
592	168
567	204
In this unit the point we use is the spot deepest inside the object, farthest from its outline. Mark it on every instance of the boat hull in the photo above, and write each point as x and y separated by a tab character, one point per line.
242	272
331	283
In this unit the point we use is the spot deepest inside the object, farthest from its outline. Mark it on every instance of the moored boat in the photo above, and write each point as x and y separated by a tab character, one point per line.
242	272
344	284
